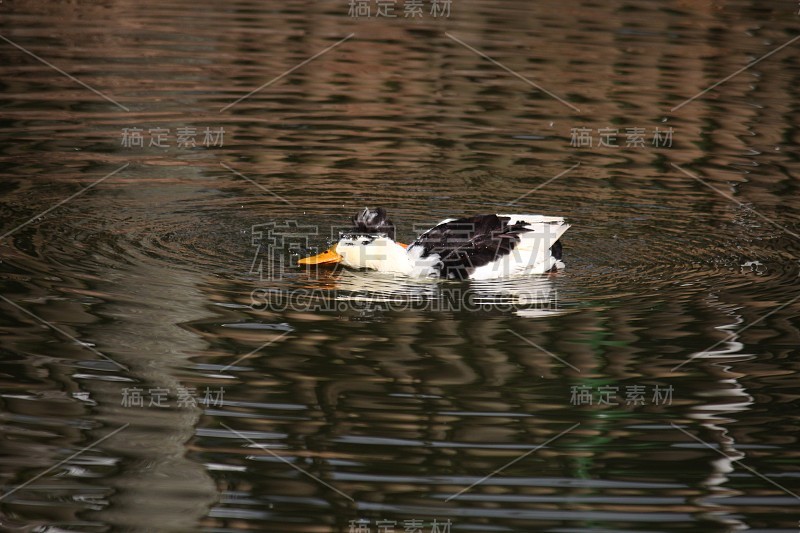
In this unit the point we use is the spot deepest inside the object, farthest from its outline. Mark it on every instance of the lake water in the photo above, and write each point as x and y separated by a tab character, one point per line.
165	365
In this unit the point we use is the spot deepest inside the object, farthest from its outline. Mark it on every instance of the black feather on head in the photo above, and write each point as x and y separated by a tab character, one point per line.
373	221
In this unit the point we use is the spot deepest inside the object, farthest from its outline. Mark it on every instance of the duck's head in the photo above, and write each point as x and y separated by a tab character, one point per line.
369	244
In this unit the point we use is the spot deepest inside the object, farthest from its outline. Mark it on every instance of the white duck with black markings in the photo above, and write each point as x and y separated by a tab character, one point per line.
479	247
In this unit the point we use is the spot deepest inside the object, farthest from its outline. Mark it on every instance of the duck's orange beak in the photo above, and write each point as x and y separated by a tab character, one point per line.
328	257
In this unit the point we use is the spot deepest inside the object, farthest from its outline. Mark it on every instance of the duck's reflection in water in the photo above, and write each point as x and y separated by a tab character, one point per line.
374	293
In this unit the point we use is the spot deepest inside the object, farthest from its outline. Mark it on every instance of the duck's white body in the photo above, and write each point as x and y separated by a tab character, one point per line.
481	247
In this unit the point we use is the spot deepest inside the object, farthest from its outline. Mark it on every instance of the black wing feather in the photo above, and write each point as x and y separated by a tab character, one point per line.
468	243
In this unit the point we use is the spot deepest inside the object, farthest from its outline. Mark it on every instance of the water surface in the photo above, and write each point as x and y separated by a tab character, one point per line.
307	401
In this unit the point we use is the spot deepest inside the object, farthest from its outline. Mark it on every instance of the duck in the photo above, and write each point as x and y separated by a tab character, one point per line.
479	247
